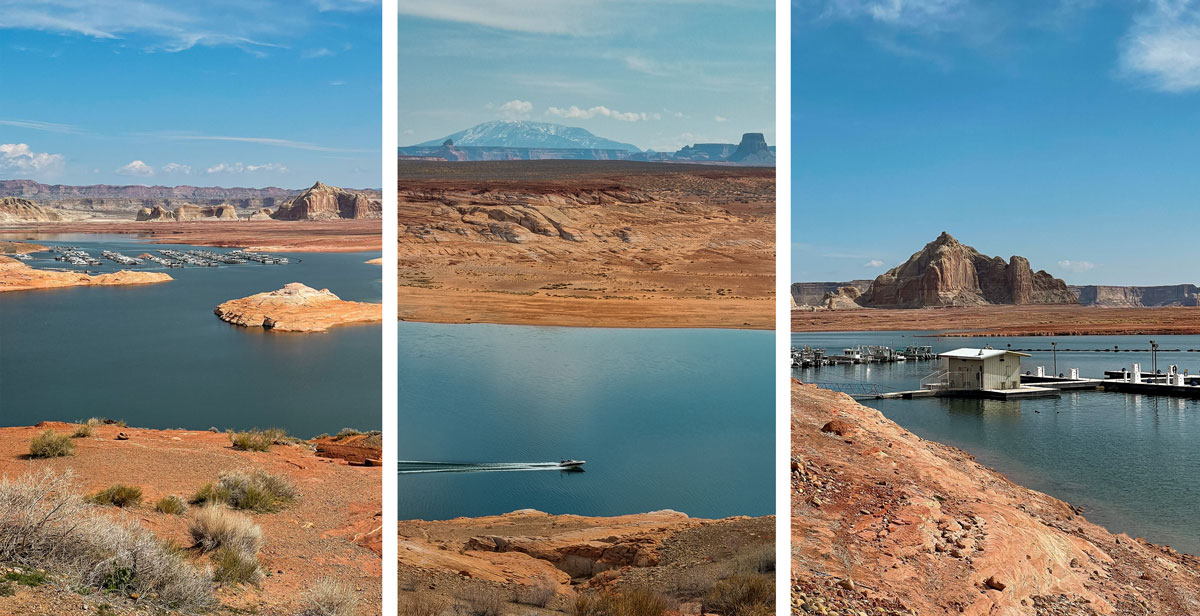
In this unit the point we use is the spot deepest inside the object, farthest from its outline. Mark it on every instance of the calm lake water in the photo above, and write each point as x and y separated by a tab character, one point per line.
1132	461
666	419
156	355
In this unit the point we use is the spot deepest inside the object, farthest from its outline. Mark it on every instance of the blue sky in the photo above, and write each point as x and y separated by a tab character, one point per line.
216	93
1066	131
659	74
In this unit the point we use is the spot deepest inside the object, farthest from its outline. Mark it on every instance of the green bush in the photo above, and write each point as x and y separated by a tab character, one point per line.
254	440
118	495
170	505
51	445
233	566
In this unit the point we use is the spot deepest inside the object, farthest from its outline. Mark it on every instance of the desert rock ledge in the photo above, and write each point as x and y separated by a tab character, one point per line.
297	308
17	276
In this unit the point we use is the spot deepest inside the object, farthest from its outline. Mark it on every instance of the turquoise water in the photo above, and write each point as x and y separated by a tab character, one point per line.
156	355
1132	461
666	419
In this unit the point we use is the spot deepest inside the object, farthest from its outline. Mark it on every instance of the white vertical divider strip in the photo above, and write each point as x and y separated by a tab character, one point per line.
390	138
783	325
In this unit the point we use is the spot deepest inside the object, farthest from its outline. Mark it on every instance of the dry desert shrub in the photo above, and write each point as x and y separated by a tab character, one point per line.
256	440
171	505
635	602
45	524
422	603
51	445
742	595
82	430
233	566
480	600
118	495
329	597
540	594
216	527
257	491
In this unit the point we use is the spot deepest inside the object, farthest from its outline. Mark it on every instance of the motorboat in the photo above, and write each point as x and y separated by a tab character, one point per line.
571	465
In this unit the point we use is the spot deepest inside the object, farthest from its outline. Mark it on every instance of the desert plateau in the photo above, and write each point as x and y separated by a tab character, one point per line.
587	243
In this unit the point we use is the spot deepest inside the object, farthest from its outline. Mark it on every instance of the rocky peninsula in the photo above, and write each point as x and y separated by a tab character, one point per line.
884	522
17	276
297	308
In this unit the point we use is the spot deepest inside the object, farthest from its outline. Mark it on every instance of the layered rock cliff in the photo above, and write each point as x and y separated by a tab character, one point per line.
324	202
813	293
13	209
1155	296
885	522
188	212
948	273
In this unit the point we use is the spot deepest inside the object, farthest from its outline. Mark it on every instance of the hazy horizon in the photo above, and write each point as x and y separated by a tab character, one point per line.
658	76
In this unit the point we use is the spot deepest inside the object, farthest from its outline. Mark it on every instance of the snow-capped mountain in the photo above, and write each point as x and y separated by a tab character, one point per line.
530	135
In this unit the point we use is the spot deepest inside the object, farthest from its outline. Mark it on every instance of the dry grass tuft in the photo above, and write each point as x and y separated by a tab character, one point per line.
480	601
51	445
635	602
742	595
216	527
118	495
329	597
233	566
171	505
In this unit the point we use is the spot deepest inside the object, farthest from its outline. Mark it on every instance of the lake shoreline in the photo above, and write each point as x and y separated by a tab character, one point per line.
1009	321
359	235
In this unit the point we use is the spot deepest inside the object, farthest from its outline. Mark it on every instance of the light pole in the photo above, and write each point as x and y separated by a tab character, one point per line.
1054	351
1154	358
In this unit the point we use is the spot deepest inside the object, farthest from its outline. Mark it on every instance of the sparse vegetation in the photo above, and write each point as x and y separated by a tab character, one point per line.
540	594
257	491
82	430
118	495
742	595
635	602
328	597
26	577
214	527
171	505
480	601
257	440
47	525
348	432
233	566
51	445
422	603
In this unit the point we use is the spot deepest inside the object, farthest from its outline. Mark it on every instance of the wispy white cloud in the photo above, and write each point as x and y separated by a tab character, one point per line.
907	13
49	127
534	16
19	158
1076	266
515	109
283	143
1162	48
137	168
577	113
720	118
243	168
177	168
345	5
873	263
319	52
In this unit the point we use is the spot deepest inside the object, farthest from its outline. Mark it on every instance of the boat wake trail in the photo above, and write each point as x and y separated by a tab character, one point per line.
409	467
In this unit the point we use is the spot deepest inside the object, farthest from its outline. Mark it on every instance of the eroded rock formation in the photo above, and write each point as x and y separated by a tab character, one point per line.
297	308
1163	295
948	273
187	212
15	209
324	202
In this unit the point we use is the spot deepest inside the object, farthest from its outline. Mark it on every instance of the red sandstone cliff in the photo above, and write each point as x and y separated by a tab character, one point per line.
323	202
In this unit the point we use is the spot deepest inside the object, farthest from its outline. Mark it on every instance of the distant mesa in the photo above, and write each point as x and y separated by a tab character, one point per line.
323	202
544	141
14	209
